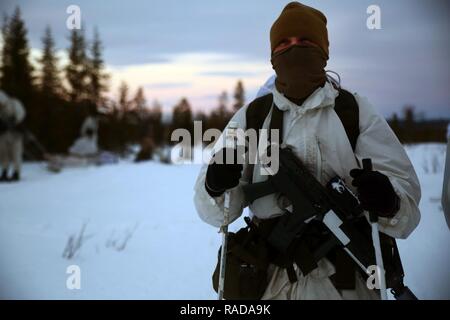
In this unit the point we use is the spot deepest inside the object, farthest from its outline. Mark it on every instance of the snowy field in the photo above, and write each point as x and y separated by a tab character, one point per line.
144	240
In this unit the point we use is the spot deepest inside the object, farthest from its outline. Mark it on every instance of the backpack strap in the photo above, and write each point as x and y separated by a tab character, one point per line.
257	112
255	115
276	122
347	109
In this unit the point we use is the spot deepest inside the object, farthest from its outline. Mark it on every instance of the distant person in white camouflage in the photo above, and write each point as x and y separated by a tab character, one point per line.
446	185
86	144
12	113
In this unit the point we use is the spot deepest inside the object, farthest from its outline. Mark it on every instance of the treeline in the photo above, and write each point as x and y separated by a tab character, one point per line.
413	128
58	98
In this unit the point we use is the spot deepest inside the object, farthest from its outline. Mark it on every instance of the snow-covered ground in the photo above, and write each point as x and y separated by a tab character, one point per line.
144	240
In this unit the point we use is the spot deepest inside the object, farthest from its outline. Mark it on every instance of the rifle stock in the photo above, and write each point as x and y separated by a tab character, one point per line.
258	190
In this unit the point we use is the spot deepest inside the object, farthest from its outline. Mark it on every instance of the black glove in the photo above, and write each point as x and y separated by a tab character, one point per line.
3	126
220	177
375	192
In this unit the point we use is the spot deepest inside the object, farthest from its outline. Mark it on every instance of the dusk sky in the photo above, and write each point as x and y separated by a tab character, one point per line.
198	48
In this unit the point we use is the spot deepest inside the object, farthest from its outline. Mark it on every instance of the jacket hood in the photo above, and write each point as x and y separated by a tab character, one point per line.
321	97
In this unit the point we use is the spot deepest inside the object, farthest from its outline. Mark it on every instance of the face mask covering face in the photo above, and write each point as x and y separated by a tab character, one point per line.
300	71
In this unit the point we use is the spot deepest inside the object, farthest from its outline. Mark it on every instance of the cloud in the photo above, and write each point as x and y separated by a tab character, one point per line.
199	76
144	59
209	44
165	85
233	74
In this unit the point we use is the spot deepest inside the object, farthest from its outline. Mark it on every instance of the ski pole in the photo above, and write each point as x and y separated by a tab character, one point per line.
373	217
31	137
229	142
445	198
223	255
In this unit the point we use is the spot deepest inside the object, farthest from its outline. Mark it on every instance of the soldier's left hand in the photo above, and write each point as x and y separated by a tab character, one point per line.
375	192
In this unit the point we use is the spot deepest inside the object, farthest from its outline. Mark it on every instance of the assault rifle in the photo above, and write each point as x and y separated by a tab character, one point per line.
334	204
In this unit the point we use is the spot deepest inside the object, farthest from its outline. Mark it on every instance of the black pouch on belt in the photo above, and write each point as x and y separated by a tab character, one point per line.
246	266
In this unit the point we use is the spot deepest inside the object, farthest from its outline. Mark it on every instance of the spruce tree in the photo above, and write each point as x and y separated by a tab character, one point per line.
139	101
156	111
223	113
77	68
157	127
223	101
182	116
16	70
49	84
5	57
220	116
239	96
97	75
124	103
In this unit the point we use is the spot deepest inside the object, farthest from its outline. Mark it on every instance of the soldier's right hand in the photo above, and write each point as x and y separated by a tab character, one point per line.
222	174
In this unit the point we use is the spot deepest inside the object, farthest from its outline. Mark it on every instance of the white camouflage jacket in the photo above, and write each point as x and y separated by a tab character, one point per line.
318	137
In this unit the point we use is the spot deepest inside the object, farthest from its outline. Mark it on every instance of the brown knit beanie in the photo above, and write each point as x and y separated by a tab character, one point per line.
299	20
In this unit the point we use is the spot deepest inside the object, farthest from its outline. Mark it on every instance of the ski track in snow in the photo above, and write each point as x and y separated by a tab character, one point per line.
144	240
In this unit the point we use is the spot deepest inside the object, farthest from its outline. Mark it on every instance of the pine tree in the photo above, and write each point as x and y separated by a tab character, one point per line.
201	117
49	84
395	126
156	110
124	103
16	70
182	119
223	101
239	96
96	73
5	64
222	113
220	117
409	124
156	125
139	101
182	116
77	69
